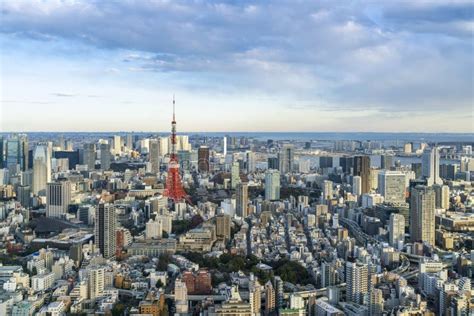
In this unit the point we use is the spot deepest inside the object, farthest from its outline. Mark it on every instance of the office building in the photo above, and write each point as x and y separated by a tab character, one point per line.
23	195
357	185
272	185
116	145
273	163
386	162
235	175
430	166
242	200
89	156
362	169
357	277
250	161
396	228
105	157
105	224
392	185
41	169
422	214
325	162
441	196
16	153
154	156
203	159
286	158
58	197
346	163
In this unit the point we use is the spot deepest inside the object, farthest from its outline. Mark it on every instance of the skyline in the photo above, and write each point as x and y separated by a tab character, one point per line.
237	67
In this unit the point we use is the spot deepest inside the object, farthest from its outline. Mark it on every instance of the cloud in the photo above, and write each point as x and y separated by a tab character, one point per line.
66	95
363	55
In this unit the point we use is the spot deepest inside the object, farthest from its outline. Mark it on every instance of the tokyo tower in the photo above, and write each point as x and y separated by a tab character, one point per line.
174	187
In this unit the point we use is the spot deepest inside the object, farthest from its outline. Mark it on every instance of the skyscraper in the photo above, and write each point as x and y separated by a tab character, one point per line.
376	302
96	281
235	175
362	169
357	277
23	195
441	196
17	153
117	145
272	185
286	158
203	159
386	162
357	185
250	161
255	295
396	228
105	223
392	186
269	298
242	200
58	198
89	156
105	157
41	169
153	156
422	214
430	166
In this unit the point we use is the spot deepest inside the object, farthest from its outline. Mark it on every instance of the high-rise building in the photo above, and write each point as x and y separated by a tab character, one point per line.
184	159
154	156
430	166
286	158
422	214
272	185
105	157
224	145
328	274
41	169
441	196
23	195
89	156
396	229
17	153
357	277
242	200
386	162
117	145
325	162
105	223
269	298
376	302
362	169
392	185
250	162
357	185
279	301
235	175
273	163
327	190
223	226
129	142
346	163
96	281
58	198
153	229
2	154
255	296
203	159
408	148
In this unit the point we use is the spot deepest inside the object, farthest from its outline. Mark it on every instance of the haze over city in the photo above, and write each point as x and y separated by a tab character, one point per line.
237	65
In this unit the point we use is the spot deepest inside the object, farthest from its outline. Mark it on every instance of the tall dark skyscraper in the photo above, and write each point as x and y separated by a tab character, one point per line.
346	164
105	156
105	223
89	156
203	159
17	152
386	161
1	152
362	169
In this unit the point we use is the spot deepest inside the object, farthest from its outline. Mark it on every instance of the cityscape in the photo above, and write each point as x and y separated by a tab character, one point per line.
124	208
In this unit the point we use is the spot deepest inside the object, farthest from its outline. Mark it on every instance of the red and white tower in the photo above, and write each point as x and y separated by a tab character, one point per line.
174	187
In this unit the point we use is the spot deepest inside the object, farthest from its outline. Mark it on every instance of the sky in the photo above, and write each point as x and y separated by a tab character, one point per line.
274	65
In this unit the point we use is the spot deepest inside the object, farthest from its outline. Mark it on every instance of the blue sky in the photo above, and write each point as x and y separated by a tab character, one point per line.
237	65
